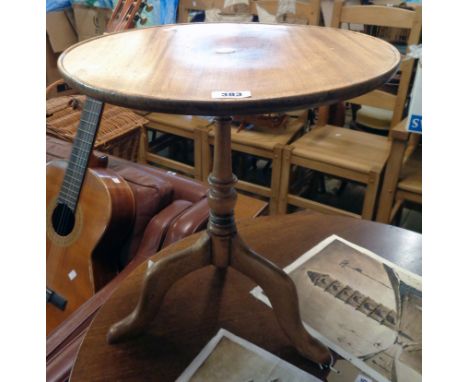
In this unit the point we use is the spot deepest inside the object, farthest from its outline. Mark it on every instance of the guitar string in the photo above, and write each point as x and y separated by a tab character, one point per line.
65	193
54	260
77	169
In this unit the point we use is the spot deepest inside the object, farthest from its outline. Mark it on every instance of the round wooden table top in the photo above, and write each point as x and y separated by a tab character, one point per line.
175	68
198	305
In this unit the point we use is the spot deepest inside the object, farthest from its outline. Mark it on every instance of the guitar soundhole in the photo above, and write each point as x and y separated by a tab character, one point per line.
63	219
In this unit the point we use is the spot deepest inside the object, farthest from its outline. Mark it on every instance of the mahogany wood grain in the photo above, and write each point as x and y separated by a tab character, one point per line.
248	207
102	220
178	68
222	248
285	67
208	299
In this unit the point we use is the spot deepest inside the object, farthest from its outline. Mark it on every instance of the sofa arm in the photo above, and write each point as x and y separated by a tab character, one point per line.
59	366
192	220
64	341
158	226
179	219
189	220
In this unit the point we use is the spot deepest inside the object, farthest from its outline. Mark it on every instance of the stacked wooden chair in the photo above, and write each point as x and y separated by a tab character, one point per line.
378	111
348	154
403	174
172	129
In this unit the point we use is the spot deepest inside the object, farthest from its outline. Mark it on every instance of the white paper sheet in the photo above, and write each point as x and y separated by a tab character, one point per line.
229	358
383	351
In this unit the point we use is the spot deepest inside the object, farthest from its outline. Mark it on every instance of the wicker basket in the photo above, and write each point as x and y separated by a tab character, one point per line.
119	132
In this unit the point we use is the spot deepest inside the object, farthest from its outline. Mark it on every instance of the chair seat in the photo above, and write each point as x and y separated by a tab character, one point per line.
344	148
185	122
264	138
411	174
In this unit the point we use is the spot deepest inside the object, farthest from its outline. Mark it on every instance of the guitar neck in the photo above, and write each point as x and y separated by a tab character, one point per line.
123	17
81	151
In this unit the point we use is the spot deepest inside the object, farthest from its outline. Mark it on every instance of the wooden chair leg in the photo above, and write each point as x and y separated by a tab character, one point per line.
158	280
206	158
371	196
143	146
395	213
323	114
284	180
197	154
281	292
392	173
275	179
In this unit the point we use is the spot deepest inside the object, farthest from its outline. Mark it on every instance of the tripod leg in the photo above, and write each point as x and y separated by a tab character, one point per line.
158	280
282	294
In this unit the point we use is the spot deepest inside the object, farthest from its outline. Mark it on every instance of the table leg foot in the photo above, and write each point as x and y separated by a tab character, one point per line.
158	280
282	294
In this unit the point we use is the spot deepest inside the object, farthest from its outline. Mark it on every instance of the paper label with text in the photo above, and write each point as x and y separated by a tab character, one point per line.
231	94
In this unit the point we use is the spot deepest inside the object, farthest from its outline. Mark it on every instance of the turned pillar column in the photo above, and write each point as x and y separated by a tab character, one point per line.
222	195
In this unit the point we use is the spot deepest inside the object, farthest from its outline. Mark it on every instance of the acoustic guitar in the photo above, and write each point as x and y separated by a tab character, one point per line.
89	210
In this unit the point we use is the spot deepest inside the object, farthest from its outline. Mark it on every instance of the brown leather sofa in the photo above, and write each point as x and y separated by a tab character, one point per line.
168	207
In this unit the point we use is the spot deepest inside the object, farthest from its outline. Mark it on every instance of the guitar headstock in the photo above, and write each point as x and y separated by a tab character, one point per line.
127	13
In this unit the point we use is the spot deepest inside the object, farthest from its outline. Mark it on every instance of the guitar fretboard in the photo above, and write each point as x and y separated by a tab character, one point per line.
81	151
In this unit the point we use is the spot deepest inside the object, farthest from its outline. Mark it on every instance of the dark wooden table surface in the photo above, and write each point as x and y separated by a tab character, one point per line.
175	68
206	300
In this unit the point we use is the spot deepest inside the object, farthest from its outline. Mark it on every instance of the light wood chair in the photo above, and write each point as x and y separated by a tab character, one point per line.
403	174
344	153
180	126
381	109
262	144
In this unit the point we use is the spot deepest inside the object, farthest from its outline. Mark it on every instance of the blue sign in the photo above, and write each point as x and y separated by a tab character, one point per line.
415	124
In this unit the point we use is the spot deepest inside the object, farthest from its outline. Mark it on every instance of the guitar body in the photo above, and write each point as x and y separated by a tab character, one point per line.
81	261
89	211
